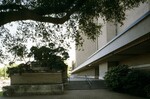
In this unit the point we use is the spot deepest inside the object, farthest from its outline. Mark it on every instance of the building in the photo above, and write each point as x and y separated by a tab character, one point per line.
128	44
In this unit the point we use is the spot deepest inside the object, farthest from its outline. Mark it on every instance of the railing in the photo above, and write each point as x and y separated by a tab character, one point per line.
88	81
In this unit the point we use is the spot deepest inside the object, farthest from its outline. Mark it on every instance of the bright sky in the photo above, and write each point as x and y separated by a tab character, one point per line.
71	54
71	51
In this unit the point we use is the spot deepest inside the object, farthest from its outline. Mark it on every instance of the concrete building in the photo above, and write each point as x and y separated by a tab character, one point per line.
128	44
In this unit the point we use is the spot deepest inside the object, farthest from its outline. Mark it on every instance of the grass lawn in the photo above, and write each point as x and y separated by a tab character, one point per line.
1	93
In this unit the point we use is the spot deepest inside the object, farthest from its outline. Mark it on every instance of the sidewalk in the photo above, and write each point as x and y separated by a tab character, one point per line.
81	94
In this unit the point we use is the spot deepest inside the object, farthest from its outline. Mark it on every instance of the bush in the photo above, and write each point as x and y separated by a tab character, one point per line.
1	93
49	57
147	90
115	77
2	72
135	82
132	81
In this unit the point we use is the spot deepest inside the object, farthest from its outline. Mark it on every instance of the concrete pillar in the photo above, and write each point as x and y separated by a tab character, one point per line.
103	68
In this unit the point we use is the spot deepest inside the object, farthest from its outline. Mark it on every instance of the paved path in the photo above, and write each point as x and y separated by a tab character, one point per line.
82	94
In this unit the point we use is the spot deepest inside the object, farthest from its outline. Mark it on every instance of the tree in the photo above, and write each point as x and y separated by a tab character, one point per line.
49	17
16	45
60	11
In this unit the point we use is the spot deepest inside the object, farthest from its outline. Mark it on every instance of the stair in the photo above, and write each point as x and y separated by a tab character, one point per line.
84	85
98	84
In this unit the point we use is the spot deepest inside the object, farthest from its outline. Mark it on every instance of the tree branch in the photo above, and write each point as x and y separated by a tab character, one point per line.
6	17
18	12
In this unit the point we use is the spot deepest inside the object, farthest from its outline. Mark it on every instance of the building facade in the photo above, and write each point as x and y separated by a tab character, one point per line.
128	44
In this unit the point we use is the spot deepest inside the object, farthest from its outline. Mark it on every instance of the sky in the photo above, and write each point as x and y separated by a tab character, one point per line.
71	52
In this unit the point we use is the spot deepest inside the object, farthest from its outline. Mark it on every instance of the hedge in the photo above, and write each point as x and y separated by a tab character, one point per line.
133	81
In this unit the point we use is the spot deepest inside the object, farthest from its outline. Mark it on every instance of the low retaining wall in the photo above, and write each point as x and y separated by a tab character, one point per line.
36	78
35	84
21	90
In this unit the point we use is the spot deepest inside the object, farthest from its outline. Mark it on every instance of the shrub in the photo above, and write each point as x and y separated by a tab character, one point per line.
21	68
2	72
135	82
49	57
132	81
147	90
1	93
114	78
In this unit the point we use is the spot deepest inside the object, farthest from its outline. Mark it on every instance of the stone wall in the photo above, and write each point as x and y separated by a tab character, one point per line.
35	84
22	90
36	78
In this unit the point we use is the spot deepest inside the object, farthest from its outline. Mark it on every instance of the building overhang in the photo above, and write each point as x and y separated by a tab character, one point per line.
135	34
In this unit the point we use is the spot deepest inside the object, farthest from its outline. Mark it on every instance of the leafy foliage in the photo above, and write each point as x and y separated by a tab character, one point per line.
147	90
2	72
115	77
46	56
50	57
132	81
21	68
55	21
17	44
136	81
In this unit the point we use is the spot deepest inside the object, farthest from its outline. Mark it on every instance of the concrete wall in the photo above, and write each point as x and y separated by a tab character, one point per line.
28	90
102	39
89	73
132	15
36	78
89	47
109	31
137	60
103	68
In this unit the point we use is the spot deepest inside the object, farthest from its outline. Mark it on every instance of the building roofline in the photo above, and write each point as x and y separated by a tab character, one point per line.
93	57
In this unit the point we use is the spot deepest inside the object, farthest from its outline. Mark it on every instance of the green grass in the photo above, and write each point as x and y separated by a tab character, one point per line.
1	93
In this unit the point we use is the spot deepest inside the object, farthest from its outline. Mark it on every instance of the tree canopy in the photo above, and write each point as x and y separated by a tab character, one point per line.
46	19
60	11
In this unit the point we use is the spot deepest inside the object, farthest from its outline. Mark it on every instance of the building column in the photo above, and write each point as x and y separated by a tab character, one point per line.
103	68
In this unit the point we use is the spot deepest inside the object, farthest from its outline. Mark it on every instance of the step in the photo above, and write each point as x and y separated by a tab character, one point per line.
22	90
84	85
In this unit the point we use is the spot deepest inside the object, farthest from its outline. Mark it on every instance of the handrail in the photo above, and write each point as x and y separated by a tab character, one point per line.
88	80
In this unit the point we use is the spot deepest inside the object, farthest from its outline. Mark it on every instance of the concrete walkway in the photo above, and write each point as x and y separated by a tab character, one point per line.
81	94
